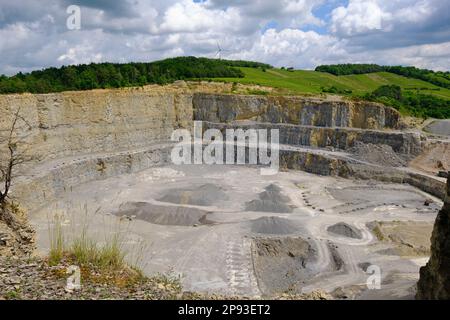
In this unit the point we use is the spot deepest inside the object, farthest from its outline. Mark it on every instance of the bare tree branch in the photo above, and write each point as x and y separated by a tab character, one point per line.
13	157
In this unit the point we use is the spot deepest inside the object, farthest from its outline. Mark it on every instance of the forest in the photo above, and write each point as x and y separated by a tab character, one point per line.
115	75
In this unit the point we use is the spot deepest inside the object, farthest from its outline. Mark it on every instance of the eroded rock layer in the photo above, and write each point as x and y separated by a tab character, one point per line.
79	123
408	143
294	110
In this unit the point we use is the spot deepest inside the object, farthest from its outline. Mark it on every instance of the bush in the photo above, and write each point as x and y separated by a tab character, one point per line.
335	90
346	69
389	91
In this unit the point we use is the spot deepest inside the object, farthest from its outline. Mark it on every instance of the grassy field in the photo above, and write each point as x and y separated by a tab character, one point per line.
303	81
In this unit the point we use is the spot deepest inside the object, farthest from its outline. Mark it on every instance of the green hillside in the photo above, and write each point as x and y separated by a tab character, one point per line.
439	78
412	96
303	81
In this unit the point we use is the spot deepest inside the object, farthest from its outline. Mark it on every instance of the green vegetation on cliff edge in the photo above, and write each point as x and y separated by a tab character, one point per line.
424	93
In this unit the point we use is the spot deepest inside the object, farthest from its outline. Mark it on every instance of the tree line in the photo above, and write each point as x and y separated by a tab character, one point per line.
416	104
115	75
438	78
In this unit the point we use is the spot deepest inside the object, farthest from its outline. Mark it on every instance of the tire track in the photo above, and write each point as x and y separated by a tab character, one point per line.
239	268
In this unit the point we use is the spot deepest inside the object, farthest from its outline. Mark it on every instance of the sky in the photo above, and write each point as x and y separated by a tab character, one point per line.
292	33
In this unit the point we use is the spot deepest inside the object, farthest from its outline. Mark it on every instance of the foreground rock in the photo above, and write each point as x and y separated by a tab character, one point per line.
35	279
434	280
17	238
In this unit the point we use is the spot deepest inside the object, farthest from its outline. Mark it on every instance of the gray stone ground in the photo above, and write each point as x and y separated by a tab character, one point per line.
439	127
195	221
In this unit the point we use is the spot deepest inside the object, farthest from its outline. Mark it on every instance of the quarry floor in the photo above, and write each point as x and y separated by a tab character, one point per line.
230	230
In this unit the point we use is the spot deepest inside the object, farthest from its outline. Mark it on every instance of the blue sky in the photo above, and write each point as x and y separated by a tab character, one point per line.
302	33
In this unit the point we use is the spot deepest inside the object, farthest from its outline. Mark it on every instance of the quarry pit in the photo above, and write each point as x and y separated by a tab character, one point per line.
202	223
355	189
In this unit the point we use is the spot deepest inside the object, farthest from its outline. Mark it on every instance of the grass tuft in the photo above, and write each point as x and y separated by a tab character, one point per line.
84	250
57	241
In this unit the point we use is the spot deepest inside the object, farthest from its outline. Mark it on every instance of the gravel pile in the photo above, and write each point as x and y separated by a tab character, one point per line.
270	200
282	264
204	195
346	230
273	225
380	154
162	215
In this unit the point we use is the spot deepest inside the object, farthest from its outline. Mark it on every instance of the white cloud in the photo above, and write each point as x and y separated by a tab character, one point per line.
293	47
382	31
80	54
187	16
360	16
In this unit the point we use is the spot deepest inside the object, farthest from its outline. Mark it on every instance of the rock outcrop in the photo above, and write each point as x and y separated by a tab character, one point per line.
17	237
294	110
407	143
434	280
78	123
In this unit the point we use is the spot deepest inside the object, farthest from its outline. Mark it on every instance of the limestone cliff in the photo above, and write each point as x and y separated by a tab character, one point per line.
78	123
294	110
77	137
434	280
84	122
339	138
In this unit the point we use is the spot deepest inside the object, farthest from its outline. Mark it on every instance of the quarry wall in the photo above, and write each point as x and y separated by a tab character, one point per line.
77	137
323	137
294	110
78	123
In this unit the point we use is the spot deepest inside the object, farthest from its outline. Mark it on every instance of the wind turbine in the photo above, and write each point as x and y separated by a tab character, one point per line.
219	51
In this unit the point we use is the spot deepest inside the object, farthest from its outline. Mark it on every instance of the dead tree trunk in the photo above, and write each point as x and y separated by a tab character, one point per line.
13	157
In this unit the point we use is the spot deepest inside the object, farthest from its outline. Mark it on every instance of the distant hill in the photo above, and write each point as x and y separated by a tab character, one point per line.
418	97
441	79
114	75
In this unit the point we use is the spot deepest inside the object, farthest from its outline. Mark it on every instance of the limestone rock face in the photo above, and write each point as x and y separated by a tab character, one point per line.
407	143
78	123
294	110
434	280
81	136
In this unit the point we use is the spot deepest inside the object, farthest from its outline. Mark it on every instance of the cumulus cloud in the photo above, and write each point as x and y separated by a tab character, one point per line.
392	23
187	17
299	33
296	48
360	17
